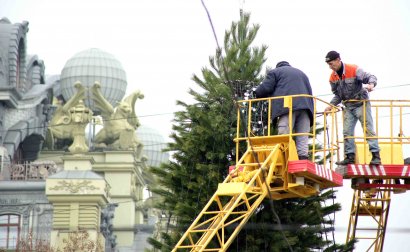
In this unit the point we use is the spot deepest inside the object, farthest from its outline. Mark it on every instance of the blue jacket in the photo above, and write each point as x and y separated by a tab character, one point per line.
286	80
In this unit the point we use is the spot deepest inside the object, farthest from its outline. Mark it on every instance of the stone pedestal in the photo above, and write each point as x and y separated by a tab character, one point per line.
121	170
77	195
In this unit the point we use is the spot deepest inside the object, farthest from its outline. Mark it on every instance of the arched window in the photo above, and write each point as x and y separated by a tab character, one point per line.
9	231
20	66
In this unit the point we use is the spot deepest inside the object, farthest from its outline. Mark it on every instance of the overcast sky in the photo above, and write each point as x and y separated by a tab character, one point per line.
162	43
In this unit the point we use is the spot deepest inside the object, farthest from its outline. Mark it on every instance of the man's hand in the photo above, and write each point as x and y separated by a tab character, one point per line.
328	109
369	87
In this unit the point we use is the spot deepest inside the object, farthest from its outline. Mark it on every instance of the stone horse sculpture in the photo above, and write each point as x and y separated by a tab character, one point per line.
120	123
69	121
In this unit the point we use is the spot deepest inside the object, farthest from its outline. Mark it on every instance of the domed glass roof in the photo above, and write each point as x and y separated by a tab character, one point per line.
153	144
90	66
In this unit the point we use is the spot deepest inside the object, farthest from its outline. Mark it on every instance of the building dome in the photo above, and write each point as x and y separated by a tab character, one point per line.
153	143
94	65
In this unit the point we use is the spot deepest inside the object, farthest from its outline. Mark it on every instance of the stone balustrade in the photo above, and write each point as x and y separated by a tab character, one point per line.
38	170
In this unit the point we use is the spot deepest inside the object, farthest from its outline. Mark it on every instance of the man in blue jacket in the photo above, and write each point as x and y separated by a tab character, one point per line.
286	80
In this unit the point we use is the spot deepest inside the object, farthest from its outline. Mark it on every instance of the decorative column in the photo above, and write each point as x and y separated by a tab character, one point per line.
77	195
123	172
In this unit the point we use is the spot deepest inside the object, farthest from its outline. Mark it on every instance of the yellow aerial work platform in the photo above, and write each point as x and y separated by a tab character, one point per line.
268	168
374	184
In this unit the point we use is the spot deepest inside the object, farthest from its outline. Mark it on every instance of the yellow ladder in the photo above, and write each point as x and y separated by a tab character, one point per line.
372	208
235	200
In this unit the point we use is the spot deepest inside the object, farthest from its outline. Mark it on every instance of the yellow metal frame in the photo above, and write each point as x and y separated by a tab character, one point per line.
261	172
374	211
374	204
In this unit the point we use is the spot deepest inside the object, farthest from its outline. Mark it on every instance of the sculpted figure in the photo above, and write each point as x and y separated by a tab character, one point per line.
70	120
120	122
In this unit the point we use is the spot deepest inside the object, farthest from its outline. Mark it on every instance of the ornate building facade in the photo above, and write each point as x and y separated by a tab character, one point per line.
25	108
56	177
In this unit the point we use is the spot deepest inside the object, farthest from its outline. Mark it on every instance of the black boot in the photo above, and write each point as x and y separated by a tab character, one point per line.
375	159
350	159
303	158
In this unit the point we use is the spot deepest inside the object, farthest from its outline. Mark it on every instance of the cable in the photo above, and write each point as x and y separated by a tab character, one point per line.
68	124
385	87
210	21
237	106
333	201
133	117
158	114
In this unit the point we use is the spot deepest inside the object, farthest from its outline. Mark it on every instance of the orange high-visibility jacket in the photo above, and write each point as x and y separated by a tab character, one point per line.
350	87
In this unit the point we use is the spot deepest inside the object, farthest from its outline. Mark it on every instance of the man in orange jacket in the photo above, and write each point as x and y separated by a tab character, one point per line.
346	82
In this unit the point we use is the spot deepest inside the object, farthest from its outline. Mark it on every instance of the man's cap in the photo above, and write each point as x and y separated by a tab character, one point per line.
282	63
332	55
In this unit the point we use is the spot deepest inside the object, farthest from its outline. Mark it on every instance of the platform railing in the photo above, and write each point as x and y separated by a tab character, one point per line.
391	120
254	121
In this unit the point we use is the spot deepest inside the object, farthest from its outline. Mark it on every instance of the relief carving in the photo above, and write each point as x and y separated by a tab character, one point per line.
74	187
